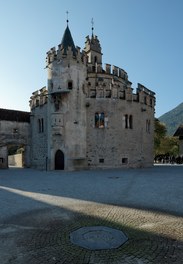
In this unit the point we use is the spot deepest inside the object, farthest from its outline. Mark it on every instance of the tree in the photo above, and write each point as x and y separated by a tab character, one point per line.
163	144
159	134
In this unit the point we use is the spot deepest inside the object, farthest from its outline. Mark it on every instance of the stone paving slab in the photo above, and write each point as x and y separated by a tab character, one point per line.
40	210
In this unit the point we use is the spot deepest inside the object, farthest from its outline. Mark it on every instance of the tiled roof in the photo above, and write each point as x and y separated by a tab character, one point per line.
14	115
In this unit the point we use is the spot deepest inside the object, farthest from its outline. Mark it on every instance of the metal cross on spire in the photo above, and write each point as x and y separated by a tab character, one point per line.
67	17
92	22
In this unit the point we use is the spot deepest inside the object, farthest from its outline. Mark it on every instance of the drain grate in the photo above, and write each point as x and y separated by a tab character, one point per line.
98	237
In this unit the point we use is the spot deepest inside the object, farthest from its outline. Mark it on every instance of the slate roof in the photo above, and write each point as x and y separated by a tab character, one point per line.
67	41
179	132
14	115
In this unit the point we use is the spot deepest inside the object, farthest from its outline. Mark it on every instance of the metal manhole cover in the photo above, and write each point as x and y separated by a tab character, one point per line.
98	237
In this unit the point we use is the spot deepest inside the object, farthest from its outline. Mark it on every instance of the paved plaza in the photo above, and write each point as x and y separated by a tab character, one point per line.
40	211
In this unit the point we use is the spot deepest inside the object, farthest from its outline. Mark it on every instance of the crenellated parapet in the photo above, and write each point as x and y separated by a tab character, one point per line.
60	54
112	85
38	98
116	71
146	96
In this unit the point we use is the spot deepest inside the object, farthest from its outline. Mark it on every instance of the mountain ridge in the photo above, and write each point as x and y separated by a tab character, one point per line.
173	119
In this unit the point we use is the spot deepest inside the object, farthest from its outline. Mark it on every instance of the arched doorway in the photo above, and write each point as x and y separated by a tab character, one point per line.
59	160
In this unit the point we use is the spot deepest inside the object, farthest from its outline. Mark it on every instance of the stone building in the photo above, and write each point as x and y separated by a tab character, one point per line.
14	131
179	133
89	116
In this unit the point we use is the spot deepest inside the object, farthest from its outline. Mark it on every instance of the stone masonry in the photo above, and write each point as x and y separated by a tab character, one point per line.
89	116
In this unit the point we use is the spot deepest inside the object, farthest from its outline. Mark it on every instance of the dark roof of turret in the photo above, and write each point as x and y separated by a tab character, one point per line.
67	41
179	132
14	115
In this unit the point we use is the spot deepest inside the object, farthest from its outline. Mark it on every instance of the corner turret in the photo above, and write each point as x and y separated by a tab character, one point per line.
94	53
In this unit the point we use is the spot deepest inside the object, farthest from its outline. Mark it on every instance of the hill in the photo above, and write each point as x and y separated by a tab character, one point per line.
173	119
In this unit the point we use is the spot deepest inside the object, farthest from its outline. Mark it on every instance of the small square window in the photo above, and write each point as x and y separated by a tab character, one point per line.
124	160
101	160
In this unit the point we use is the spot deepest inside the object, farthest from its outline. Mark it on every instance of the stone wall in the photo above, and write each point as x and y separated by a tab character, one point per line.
3	157
115	145
38	124
15	160
14	133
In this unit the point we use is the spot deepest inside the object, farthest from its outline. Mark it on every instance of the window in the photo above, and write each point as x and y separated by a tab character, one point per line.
101	160
124	160
40	125
70	85
148	126
128	121
99	120
15	130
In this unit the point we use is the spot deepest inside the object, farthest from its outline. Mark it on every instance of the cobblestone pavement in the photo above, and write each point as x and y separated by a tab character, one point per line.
39	210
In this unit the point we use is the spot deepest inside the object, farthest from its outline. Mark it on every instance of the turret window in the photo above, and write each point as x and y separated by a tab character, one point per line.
70	85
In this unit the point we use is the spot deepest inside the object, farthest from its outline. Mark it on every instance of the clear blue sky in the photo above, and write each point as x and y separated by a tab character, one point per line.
144	37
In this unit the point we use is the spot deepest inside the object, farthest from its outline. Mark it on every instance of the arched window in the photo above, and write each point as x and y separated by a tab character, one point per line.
148	126
126	121
40	125
130	121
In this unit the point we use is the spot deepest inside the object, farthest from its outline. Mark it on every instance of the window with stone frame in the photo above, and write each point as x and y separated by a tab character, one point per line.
100	120
128	121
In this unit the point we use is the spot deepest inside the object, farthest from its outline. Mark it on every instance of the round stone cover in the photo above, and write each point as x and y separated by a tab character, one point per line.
98	237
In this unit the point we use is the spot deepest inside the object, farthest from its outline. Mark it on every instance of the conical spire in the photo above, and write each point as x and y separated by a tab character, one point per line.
67	41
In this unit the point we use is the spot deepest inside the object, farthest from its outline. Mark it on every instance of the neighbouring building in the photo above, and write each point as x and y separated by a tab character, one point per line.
179	133
88	116
14	133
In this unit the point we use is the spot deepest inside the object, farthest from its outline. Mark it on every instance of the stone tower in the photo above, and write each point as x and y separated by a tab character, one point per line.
66	105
